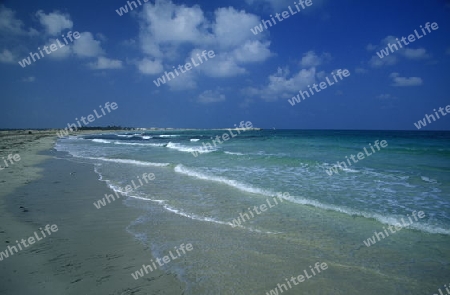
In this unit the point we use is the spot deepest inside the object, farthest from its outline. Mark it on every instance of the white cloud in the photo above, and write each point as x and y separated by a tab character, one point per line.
183	82
419	53
10	25
210	96
282	85
7	57
377	62
393	57
165	23
104	63
168	29
311	59
54	22
150	67
252	51
232	28
222	65
404	81
61	52
87	46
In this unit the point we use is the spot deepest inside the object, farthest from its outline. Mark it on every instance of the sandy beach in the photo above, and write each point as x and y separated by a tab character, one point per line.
91	253
95	250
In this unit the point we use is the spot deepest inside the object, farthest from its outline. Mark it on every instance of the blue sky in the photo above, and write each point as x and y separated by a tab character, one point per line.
251	77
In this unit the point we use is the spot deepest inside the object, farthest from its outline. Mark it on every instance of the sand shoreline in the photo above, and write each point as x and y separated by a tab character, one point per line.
91	253
95	251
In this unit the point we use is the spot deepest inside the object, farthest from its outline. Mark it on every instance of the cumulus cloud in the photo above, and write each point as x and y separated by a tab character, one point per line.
10	25
150	67
87	46
222	65
393	57
404	81
210	96
54	22
377	62
62	52
183	82
419	53
168	29
167	24
311	59
229	27
7	57
283	85
104	63
252	51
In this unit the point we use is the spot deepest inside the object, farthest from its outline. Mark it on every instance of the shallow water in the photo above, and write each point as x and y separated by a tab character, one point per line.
321	218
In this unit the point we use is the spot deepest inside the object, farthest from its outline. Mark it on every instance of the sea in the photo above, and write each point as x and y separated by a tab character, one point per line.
204	193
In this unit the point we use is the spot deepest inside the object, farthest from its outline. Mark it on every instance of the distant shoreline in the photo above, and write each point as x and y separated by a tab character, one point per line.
121	129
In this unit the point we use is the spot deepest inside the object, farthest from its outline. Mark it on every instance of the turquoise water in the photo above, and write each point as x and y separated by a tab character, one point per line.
327	216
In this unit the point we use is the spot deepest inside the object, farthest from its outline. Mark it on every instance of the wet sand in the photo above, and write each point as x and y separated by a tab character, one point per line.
91	253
